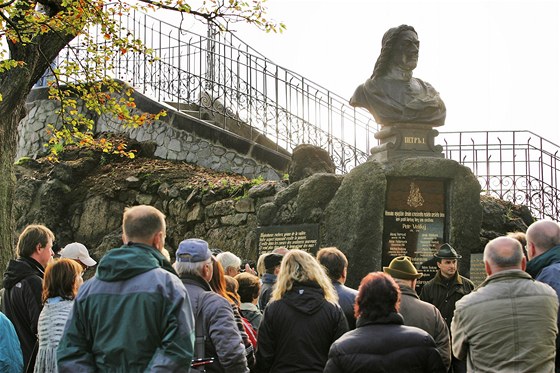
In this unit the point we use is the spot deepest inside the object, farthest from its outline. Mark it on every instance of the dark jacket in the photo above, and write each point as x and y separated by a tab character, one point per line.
23	281
427	317
296	331
346	300
384	345
444	294
133	316
222	337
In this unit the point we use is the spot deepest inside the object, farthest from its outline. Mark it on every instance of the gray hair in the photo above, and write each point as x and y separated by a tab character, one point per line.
228	259
503	252
187	268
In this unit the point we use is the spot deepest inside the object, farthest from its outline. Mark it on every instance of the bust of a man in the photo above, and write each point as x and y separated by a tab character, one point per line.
392	95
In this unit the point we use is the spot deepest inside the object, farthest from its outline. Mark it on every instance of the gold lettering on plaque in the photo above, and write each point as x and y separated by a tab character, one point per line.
414	140
415	198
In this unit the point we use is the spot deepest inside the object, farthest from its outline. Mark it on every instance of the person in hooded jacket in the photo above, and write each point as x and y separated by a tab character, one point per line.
381	343
11	359
302	319
135	314
23	281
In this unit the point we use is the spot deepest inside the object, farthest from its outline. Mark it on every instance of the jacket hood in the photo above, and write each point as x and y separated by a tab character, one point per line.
537	264
129	261
305	297
19	269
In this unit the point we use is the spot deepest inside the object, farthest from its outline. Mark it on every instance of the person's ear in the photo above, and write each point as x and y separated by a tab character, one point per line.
531	250
487	268
158	241
523	263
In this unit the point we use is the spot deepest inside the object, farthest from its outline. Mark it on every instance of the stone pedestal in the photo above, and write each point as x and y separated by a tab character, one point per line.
405	140
438	198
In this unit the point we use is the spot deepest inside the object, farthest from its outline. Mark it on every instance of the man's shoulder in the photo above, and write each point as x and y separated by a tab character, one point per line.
551	269
467	282
155	280
345	290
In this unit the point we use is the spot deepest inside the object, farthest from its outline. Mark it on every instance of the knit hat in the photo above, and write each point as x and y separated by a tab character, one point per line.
193	250
77	251
447	252
402	267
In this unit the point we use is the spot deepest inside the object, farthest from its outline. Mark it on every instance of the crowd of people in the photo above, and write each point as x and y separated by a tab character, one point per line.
291	313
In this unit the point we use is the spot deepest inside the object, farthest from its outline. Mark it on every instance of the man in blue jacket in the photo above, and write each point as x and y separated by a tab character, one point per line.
543	249
135	314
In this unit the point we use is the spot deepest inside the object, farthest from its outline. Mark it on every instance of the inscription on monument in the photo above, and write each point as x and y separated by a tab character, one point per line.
415	222
303	237
414	140
478	272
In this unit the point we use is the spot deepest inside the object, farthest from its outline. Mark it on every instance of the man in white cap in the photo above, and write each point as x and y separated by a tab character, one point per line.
79	253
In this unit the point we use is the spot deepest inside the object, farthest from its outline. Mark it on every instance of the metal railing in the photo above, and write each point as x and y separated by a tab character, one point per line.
517	166
222	74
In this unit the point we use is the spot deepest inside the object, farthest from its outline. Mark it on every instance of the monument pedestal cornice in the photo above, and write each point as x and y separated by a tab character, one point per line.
405	140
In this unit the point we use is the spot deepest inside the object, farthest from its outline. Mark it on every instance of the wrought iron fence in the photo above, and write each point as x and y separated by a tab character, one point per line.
222	74
518	166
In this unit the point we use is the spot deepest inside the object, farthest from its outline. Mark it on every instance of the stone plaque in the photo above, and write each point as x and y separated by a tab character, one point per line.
303	237
478	272
415	222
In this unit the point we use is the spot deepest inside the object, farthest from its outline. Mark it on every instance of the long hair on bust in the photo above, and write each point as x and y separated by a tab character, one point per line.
62	279
299	266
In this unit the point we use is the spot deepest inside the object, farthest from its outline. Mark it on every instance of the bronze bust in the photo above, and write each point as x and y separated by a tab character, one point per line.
392	95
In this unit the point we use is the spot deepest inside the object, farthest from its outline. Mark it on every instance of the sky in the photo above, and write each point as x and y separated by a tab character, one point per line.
495	63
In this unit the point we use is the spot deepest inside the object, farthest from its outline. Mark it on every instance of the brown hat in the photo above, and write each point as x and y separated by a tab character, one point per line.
402	267
447	252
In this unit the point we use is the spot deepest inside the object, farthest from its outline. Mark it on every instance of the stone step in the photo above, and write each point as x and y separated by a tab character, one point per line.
183	106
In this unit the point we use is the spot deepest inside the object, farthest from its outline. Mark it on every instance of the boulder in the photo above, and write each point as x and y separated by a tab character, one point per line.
308	160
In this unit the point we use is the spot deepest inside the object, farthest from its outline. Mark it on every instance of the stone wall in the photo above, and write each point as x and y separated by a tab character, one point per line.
176	137
82	199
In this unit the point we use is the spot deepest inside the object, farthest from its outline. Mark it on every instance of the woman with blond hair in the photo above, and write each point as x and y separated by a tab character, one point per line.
302	319
62	279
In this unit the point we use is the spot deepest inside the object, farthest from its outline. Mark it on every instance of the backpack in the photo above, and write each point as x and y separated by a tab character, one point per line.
251	332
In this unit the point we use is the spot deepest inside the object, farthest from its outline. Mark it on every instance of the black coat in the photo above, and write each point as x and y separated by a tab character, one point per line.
297	331
384	345
445	293
23	281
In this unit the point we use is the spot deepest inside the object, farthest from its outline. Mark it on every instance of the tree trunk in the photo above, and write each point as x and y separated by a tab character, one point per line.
9	119
15	85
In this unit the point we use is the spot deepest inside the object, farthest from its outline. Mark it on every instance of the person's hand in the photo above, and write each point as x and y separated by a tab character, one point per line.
248	269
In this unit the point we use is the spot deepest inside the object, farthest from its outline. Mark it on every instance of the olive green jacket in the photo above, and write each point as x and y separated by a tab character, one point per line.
507	325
